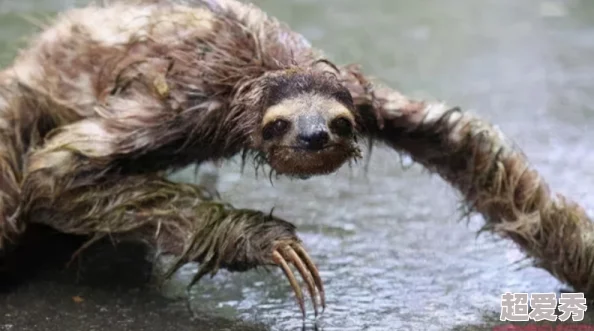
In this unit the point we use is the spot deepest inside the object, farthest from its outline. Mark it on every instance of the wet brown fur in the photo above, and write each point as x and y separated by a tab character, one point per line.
95	112
492	174
108	99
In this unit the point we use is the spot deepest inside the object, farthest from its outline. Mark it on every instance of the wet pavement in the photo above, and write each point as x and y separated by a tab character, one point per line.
389	242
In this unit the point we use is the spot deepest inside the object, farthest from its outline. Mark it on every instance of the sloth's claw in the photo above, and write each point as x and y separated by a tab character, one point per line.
278	259
296	254
307	277
314	272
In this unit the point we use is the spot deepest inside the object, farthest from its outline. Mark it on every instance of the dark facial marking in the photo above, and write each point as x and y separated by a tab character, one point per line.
342	127
312	134
275	129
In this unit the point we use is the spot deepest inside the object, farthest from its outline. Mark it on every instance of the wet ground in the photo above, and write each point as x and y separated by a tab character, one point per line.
389	242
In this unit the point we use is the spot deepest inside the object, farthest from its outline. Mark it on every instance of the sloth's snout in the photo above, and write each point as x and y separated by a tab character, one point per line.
313	132
314	140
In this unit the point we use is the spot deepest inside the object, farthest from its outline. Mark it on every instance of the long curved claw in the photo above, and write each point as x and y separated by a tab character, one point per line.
295	254
306	276
314	272
280	260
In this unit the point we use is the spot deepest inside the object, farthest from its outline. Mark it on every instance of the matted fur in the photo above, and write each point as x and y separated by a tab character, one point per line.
109	97
492	174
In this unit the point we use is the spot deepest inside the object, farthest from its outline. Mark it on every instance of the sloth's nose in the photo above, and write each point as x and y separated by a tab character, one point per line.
314	140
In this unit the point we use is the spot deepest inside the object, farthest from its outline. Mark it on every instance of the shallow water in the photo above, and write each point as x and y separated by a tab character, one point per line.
389	243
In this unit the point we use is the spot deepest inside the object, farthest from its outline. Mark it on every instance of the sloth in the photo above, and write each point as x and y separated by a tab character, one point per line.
108	99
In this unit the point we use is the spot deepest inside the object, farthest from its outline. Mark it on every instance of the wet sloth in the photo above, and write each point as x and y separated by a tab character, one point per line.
108	99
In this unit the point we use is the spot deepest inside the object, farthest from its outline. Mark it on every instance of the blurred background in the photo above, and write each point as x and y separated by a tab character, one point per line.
389	242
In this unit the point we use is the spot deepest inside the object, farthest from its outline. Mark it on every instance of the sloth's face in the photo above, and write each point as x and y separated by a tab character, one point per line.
308	134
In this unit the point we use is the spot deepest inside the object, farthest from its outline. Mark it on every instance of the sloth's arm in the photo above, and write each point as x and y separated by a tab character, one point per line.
65	189
493	175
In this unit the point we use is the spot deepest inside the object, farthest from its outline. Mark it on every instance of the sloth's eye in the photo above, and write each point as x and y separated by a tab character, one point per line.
342	126
275	129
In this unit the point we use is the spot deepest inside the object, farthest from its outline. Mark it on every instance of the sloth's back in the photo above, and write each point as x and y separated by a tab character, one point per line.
85	57
75	62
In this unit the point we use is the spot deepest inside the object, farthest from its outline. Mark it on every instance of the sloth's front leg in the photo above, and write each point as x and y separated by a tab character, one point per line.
183	220
73	185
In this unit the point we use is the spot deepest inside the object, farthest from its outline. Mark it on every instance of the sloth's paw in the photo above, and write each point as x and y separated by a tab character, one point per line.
243	239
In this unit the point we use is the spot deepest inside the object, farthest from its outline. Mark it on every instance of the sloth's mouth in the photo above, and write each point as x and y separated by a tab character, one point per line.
303	163
310	150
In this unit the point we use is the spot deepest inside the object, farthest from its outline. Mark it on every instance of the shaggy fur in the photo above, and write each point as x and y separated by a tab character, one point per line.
108	98
493	176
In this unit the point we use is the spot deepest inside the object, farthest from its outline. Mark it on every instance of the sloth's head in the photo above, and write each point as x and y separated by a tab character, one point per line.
308	126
